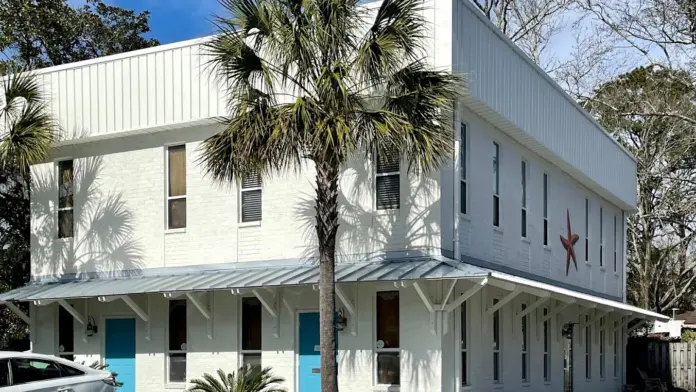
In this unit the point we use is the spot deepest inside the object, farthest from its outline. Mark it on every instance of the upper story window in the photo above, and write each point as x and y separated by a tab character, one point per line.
545	197
587	230
251	198
525	346
601	237
388	182
176	187
66	335
176	352
496	184
523	168
251	333
496	344
388	330
616	246
65	199
462	167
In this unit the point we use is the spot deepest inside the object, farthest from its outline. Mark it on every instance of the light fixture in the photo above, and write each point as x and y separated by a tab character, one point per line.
341	320
91	326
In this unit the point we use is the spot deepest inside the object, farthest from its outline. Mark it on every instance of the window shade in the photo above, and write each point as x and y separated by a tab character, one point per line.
177	171
251	206
65	187
388	196
388	161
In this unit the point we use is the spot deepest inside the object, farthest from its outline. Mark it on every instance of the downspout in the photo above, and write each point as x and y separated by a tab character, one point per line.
455	182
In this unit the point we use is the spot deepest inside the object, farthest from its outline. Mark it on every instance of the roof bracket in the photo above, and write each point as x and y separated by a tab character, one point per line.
541	301
468	294
172	295
73	312
272	306
14	309
558	308
636	326
352	309
449	294
429	305
514	293
204	303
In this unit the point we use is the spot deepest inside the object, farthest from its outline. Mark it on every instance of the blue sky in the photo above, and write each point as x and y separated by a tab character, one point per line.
173	20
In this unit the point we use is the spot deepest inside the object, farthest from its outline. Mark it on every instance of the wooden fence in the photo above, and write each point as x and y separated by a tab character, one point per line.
674	363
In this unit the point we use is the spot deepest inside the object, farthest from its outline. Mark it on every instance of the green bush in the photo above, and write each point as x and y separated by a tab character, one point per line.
246	379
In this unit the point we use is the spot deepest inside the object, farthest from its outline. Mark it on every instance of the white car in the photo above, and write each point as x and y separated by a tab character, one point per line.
27	372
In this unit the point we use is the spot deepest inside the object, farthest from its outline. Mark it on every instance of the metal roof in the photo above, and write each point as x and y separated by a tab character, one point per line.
421	268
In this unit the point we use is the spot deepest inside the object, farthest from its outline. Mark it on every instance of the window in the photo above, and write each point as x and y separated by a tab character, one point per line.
601	348
177	341
588	349
4	373
26	370
524	199
465	345
496	344
546	209
496	185
462	166
525	347
587	230
388	180
615	245
65	199
547	348
66	335
251	333
387	343
601	237
176	193
251	198
617	344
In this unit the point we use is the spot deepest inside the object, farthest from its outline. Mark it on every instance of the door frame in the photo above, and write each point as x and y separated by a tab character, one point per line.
296	316
102	331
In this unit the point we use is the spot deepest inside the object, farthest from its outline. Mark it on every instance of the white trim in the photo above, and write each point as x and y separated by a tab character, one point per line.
376	351
601	236
463	173
545	210
524	180
242	190
586	245
169	198
386	174
496	184
167	352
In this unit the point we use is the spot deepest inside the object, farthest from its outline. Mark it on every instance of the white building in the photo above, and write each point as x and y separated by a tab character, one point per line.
175	276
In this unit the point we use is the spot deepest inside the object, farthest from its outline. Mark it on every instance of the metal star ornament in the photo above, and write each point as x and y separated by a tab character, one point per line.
569	244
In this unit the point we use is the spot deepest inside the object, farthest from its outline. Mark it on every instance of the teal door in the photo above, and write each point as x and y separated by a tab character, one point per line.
119	347
310	361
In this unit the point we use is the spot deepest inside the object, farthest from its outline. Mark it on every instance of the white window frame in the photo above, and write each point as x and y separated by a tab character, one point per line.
243	190
587	230
496	183
376	351
602	350
524	358
72	207
545	201
166	187
464	167
387	174
168	352
524	218
464	345
546	346
588	349
243	352
497	349
58	353
601	237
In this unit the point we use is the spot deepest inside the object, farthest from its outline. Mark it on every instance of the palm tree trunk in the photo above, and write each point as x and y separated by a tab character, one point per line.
327	226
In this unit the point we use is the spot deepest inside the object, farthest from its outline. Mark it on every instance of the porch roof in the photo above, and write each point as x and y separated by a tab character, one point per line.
241	276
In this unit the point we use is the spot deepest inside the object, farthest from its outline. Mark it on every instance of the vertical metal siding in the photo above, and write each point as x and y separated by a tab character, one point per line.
502	80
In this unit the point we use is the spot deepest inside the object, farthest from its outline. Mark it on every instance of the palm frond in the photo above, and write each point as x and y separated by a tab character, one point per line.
246	379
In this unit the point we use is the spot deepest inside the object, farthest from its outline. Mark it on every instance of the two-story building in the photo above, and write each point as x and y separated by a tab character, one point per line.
504	270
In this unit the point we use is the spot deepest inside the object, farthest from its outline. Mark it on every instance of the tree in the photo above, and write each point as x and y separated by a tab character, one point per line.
42	33
322	81
247	379
660	236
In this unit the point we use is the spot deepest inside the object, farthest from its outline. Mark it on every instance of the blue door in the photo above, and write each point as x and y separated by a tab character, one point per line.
310	361
119	347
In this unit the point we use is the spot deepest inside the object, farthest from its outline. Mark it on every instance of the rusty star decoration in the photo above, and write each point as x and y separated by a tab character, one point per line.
569	244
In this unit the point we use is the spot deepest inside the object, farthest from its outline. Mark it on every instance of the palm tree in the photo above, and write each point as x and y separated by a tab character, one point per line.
247	379
323	80
27	129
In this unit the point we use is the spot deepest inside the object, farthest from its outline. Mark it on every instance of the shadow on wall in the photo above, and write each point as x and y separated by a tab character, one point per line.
364	231
102	243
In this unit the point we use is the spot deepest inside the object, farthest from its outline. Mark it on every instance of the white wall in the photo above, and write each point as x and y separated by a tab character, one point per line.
428	361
